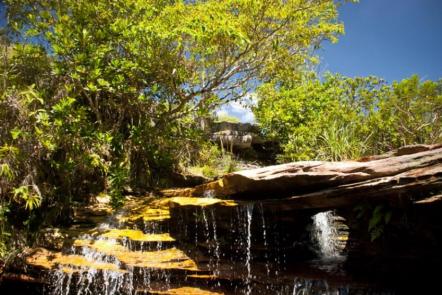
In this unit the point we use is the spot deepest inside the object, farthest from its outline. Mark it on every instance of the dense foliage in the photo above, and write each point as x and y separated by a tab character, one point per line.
345	118
97	95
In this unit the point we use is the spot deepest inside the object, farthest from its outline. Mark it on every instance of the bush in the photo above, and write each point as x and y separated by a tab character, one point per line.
345	118
212	161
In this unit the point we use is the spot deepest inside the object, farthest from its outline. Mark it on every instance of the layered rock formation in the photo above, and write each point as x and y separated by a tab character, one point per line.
261	231
413	171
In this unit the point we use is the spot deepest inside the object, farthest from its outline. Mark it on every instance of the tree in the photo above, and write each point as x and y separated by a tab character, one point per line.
97	95
139	72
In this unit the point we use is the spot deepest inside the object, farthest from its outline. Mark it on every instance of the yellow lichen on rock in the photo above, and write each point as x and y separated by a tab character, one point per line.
172	258
82	262
159	209
186	291
44	258
201	202
137	235
104	246
146	209
203	276
147	214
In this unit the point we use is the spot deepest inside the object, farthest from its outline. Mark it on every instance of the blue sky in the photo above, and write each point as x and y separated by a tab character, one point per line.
392	39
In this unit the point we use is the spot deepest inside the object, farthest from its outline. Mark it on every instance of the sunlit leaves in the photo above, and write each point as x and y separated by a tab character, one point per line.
342	118
8	150
115	90
27	194
30	95
16	133
6	171
64	105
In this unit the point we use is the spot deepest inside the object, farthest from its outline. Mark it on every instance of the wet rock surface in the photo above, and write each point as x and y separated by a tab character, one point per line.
187	246
182	244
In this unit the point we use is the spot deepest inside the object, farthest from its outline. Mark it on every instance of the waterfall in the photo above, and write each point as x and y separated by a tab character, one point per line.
216	246
249	211
211	240
209	194
311	286
264	238
326	234
204	249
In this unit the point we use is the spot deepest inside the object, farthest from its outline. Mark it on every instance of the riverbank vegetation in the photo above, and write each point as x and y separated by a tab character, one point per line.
339	118
104	95
108	97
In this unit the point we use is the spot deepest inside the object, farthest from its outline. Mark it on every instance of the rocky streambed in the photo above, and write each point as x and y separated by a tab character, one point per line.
367	227
172	246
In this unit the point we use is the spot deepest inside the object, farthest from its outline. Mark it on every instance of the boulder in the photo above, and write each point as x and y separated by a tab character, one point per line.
323	185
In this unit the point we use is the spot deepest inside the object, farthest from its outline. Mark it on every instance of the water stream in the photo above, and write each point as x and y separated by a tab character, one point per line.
326	234
249	211
235	251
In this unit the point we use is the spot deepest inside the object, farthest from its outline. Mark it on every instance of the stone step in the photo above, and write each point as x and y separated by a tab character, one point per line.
171	258
49	260
136	240
144	209
179	291
137	235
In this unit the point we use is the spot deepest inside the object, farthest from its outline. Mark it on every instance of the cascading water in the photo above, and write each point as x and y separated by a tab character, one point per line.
249	214
118	256
320	287
87	278
326	234
216	245
264	238
209	248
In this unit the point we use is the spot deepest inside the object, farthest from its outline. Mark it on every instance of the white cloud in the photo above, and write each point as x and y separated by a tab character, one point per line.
221	112
239	109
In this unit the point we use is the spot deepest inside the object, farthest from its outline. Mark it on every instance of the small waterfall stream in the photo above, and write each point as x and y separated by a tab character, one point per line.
326	234
249	215
194	247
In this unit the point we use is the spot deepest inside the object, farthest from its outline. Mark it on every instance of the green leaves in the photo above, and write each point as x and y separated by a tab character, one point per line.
6	172
31	198
16	133
343	118
8	150
30	96
63	106
91	87
115	91
97	162
103	83
378	217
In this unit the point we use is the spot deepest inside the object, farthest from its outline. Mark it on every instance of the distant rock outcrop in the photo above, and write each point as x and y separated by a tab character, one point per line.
235	135
243	139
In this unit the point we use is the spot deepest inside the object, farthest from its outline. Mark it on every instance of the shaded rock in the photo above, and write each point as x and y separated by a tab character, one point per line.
397	190
251	230
51	238
187	179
